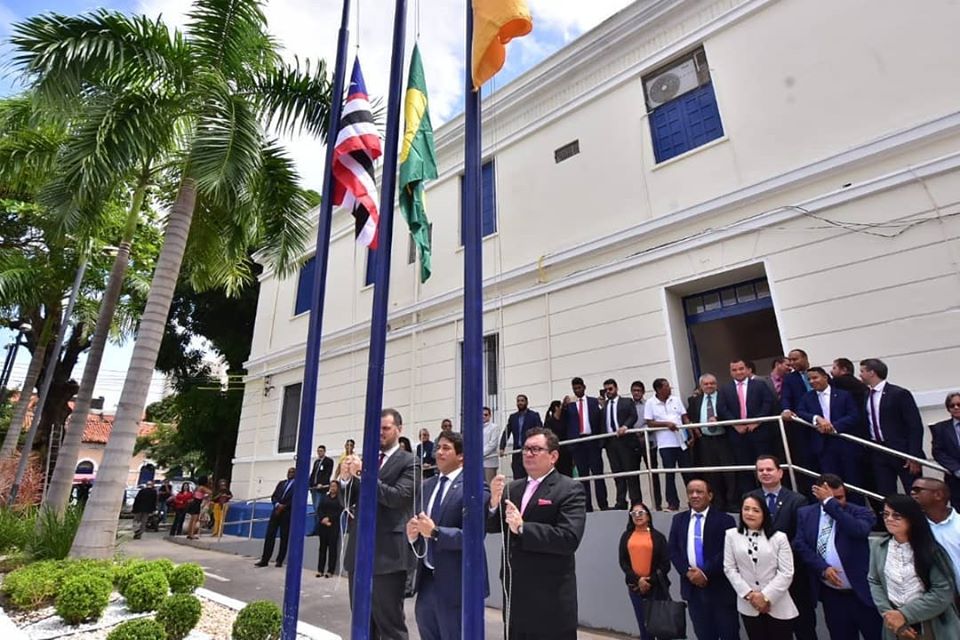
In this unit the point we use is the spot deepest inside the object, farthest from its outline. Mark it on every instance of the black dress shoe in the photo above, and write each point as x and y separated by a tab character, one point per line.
260	564
279	564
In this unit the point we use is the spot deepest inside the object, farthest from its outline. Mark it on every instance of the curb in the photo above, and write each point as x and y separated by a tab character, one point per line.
308	630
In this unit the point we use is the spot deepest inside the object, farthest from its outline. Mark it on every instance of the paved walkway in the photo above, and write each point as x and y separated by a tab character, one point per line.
323	602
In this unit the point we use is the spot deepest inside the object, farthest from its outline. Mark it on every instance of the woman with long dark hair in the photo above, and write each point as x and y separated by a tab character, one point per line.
552	420
911	576
758	562
645	561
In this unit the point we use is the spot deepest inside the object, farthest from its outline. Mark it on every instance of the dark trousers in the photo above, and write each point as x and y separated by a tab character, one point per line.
747	447
766	627
652	464
637	601
590	463
672	457
715	451
176	528
386	604
805	624
886	470
712	620
516	464
562	635
622	453
844	459
316	497
954	483
437	617
329	547
847	617
565	460
279	522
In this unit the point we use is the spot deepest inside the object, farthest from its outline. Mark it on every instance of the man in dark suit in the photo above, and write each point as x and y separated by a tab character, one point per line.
831	411
713	448
619	415
517	426
696	550
740	399
832	542
783	505
582	417
279	520
946	446
439	537
894	421
320	474
395	483
842	377
542	519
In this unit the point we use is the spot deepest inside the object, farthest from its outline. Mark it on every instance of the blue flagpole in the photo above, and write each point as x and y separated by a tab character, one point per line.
367	516
311	369
474	566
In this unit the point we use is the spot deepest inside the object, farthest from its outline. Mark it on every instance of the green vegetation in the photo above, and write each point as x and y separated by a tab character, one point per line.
187	578
34	585
146	591
179	614
259	620
142	629
82	598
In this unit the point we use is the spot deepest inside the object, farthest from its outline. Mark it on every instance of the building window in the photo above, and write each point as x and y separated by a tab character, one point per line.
491	374
370	272
412	246
682	106
289	419
308	272
488	201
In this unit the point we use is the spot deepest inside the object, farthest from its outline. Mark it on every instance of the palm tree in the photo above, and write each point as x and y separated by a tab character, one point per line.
206	98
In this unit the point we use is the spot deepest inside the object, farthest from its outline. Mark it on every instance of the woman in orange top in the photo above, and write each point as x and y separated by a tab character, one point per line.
645	563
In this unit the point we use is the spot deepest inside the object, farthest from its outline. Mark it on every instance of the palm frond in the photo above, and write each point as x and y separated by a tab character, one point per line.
21	284
294	98
230	35
283	207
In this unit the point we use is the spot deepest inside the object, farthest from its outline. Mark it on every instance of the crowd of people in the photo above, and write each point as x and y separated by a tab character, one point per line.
204	504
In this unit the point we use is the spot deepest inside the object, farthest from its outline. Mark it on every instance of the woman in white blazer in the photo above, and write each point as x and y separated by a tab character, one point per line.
758	562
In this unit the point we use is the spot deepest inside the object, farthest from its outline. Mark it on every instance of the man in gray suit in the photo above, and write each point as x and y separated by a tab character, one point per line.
394	508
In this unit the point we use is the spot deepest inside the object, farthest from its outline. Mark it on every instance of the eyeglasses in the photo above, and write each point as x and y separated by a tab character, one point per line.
534	450
954	405
637	514
889	515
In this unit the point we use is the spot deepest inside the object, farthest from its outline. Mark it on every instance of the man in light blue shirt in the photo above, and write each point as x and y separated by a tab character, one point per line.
713	449
933	496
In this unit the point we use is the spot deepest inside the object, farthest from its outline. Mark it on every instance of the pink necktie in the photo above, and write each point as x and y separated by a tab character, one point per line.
528	493
742	394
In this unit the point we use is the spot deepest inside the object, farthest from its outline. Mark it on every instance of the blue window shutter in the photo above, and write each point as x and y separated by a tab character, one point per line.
308	272
685	123
488	199
371	272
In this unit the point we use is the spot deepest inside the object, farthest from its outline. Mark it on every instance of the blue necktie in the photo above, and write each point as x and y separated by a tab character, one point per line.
434	515
772	504
698	539
806	380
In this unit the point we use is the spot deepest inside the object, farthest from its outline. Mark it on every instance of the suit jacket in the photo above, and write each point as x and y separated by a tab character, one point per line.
714	534
320	472
855	387
761	401
448	549
843	416
281	497
695	404
770	568
531	420
788	503
571	417
626	412
946	448
542	557
394	508
852	526
792	390
659	579
900	420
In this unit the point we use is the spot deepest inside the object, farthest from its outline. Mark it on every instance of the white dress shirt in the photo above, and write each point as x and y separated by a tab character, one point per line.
832	557
434	497
582	404
691	549
903	584
610	414
824	398
672	411
875	397
947	533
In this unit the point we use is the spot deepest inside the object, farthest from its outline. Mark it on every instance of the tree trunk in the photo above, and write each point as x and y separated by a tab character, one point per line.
61	484
96	536
26	393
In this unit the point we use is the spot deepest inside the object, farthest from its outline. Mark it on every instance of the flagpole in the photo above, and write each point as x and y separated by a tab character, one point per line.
367	508
311	370
474	565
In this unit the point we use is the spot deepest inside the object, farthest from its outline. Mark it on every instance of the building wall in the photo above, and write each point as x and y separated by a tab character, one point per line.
835	179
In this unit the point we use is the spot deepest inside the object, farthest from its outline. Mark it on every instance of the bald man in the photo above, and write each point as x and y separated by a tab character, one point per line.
933	496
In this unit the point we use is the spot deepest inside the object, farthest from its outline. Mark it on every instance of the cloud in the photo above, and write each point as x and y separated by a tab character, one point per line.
309	29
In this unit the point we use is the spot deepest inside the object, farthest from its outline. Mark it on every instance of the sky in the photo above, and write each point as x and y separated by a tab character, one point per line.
308	29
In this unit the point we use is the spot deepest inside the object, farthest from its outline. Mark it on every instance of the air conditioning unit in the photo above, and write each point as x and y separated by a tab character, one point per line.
672	83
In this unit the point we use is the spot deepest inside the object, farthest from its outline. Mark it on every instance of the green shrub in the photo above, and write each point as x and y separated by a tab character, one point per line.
178	615
54	535
16	528
259	620
163	565
104	569
127	571
82	598
146	591
187	578
34	585
141	629
13	562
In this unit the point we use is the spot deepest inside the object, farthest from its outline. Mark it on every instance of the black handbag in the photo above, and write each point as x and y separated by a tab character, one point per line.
665	619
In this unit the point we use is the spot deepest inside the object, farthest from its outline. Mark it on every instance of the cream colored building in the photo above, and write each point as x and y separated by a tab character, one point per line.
804	192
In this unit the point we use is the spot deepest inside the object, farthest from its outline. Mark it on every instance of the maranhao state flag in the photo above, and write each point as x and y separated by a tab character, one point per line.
495	23
418	161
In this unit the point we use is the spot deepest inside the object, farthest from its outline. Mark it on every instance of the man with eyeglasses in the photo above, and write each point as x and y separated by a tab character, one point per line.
946	446
542	518
933	496
833	542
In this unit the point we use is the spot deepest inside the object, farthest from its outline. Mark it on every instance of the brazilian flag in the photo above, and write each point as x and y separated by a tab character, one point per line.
418	161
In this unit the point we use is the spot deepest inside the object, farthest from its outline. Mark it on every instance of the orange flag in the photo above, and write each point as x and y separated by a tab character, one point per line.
495	23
